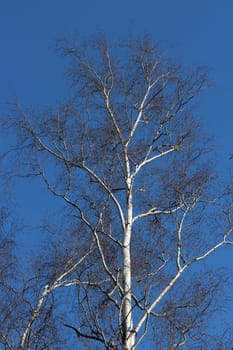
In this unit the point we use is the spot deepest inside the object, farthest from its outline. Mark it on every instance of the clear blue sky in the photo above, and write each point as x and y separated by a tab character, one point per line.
193	32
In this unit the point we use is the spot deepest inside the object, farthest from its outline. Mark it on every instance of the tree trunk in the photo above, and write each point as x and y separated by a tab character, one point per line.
127	317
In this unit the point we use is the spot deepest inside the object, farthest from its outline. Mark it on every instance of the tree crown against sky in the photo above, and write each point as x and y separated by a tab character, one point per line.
133	168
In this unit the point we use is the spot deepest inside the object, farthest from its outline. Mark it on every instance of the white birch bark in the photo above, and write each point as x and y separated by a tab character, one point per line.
127	317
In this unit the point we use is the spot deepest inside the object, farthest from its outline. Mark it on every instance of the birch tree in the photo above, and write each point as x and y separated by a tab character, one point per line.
129	160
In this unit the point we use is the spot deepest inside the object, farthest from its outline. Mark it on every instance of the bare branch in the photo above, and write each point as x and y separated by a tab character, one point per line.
180	224
145	103
46	291
153	158
155	211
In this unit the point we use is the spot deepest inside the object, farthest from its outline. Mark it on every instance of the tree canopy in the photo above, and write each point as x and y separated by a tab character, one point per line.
123	264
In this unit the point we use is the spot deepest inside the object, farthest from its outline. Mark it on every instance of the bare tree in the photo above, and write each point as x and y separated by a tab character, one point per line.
133	167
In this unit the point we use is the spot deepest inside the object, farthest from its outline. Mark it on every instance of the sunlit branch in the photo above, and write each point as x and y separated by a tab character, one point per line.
46	291
143	334
111	76
210	251
112	116
157	156
144	104
157	300
139	116
179	242
155	211
75	282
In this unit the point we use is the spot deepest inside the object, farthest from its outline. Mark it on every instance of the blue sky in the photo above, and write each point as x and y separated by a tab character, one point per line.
194	33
